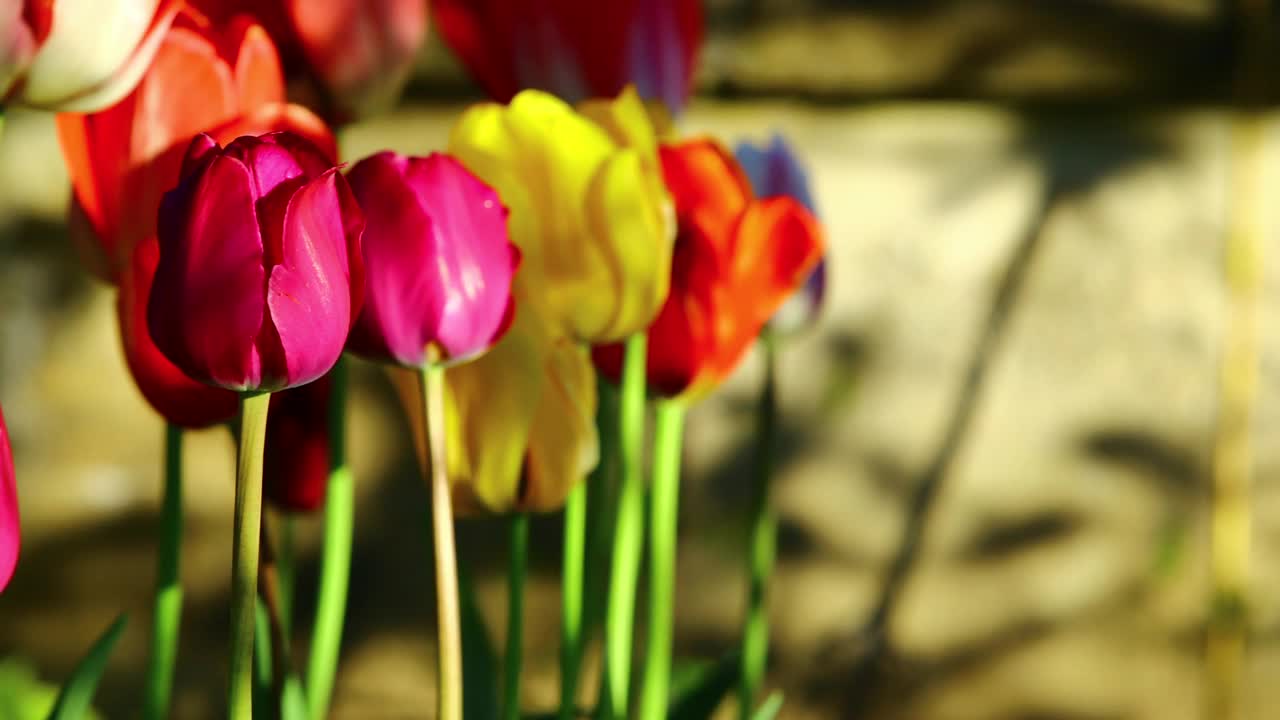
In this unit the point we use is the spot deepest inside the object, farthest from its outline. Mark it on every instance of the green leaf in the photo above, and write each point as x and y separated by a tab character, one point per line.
769	710
697	690
73	701
479	663
294	699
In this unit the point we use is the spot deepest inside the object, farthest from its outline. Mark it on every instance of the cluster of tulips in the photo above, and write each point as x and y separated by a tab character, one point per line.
568	242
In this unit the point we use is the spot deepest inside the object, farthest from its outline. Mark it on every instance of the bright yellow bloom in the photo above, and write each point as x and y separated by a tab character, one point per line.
588	207
595	224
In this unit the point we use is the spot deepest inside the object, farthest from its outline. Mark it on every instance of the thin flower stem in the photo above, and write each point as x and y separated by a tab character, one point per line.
628	538
664	499
167	617
517	567
571	583
449	629
762	542
335	559
244	561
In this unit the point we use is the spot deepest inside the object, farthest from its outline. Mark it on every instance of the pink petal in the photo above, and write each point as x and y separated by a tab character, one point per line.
309	292
474	256
206	308
10	535
402	301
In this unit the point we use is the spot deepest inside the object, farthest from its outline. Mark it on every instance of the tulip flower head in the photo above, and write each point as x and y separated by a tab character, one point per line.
260	274
10	535
577	49
588	209
775	171
77	55
438	262
736	260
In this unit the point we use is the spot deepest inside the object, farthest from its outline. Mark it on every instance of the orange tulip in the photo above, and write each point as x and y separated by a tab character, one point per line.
736	260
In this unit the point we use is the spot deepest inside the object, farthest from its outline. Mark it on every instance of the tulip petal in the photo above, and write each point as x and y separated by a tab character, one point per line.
563	445
86	82
490	408
207	299
179	399
709	188
398	236
309	292
638	227
10	526
472	253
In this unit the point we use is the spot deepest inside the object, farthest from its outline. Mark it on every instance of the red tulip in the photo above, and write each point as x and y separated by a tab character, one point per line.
355	54
296	464
438	261
10	535
222	79
736	260
577	48
77	54
179	399
260	275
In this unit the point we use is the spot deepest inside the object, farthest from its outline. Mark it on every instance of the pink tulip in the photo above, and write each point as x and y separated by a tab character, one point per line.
438	258
9	531
260	274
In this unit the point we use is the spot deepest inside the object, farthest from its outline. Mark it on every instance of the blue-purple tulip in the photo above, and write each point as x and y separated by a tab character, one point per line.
438	260
260	275
775	171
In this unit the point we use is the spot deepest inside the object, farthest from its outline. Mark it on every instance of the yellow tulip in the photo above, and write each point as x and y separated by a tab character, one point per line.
519	420
588	207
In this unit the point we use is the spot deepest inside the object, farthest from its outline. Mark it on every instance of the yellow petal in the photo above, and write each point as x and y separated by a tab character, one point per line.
626	119
563	446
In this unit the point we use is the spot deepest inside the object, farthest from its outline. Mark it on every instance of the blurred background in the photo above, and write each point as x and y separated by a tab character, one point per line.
1008	444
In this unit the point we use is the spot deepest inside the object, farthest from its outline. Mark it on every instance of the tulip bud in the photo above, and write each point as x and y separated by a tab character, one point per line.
775	171
736	260
10	535
260	274
78	54
295	466
438	263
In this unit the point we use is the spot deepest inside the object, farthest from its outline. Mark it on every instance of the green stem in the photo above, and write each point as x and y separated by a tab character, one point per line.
168	601
335	560
628	535
664	501
244	555
517	567
448	625
762	542
575	539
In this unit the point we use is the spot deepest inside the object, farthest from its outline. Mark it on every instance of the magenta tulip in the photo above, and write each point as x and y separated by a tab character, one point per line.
438	259
260	275
9	531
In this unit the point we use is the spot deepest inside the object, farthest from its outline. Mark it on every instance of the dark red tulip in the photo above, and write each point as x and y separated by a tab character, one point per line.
577	48
296	464
260	275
